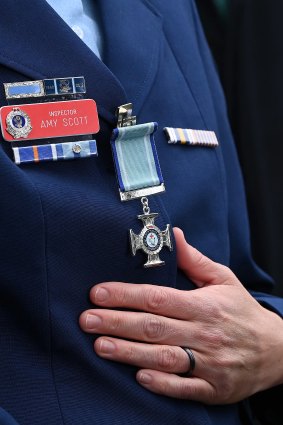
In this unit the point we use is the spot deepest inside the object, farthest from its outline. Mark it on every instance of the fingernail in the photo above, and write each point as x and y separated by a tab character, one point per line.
106	346
93	321
144	378
101	294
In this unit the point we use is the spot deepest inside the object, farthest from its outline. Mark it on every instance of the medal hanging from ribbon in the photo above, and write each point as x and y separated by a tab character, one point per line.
139	175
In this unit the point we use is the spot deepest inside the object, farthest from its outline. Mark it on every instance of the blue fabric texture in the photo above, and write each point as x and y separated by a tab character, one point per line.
63	227
6	419
274	304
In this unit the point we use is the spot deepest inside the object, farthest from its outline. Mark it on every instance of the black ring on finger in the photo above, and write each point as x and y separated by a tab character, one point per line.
192	358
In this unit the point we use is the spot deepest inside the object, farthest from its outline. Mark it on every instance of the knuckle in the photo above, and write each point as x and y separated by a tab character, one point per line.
115	323
153	328
194	392
227	275
213	310
120	296
167	359
225	393
226	270
130	354
199	259
214	338
187	390
219	273
164	387
156	298
226	363
219	338
210	396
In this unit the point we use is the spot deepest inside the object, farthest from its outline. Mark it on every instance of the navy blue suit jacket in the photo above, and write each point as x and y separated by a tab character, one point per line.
63	227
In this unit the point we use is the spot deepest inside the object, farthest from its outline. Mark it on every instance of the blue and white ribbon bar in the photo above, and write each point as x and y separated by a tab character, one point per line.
187	136
24	89
55	151
136	161
48	87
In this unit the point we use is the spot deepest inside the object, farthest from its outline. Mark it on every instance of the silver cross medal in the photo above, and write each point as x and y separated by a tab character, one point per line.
151	239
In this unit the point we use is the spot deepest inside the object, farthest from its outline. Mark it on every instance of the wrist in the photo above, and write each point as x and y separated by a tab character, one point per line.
271	357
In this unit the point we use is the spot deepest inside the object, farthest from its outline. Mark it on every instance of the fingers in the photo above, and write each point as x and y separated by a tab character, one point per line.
165	358
176	386
167	301
159	300
199	268
138	326
160	364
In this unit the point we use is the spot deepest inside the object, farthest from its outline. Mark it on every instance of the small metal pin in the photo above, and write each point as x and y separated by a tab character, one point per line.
77	148
124	115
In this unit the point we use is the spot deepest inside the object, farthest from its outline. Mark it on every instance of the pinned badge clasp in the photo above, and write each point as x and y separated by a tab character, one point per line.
124	115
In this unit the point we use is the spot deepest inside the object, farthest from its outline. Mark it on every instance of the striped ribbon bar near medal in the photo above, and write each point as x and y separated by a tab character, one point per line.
136	161
191	137
55	151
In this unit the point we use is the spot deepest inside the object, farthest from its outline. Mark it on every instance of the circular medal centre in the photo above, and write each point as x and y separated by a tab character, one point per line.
152	239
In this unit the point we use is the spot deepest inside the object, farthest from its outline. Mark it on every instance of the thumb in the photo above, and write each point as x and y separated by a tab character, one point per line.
199	268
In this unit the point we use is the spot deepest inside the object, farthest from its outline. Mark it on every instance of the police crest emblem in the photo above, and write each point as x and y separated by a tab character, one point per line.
18	123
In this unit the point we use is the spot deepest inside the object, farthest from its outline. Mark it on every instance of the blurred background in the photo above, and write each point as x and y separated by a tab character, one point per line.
246	39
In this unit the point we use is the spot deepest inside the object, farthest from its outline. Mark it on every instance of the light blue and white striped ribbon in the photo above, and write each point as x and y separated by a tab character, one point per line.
135	157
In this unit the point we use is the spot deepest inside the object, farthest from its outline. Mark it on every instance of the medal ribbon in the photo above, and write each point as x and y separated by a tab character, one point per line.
55	151
135	156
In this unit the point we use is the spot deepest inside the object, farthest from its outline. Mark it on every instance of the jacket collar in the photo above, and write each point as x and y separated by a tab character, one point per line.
132	45
36	42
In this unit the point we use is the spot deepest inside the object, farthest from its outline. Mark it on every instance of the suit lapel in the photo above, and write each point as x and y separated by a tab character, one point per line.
132	45
41	45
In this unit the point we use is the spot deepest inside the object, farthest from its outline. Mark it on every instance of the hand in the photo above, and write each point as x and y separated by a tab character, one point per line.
237	344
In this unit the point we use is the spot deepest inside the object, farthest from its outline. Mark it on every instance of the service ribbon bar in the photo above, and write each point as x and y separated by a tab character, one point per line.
191	137
64	86
136	161
24	89
42	88
55	151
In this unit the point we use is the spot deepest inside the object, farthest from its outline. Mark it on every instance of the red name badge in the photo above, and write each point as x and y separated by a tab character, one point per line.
49	120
